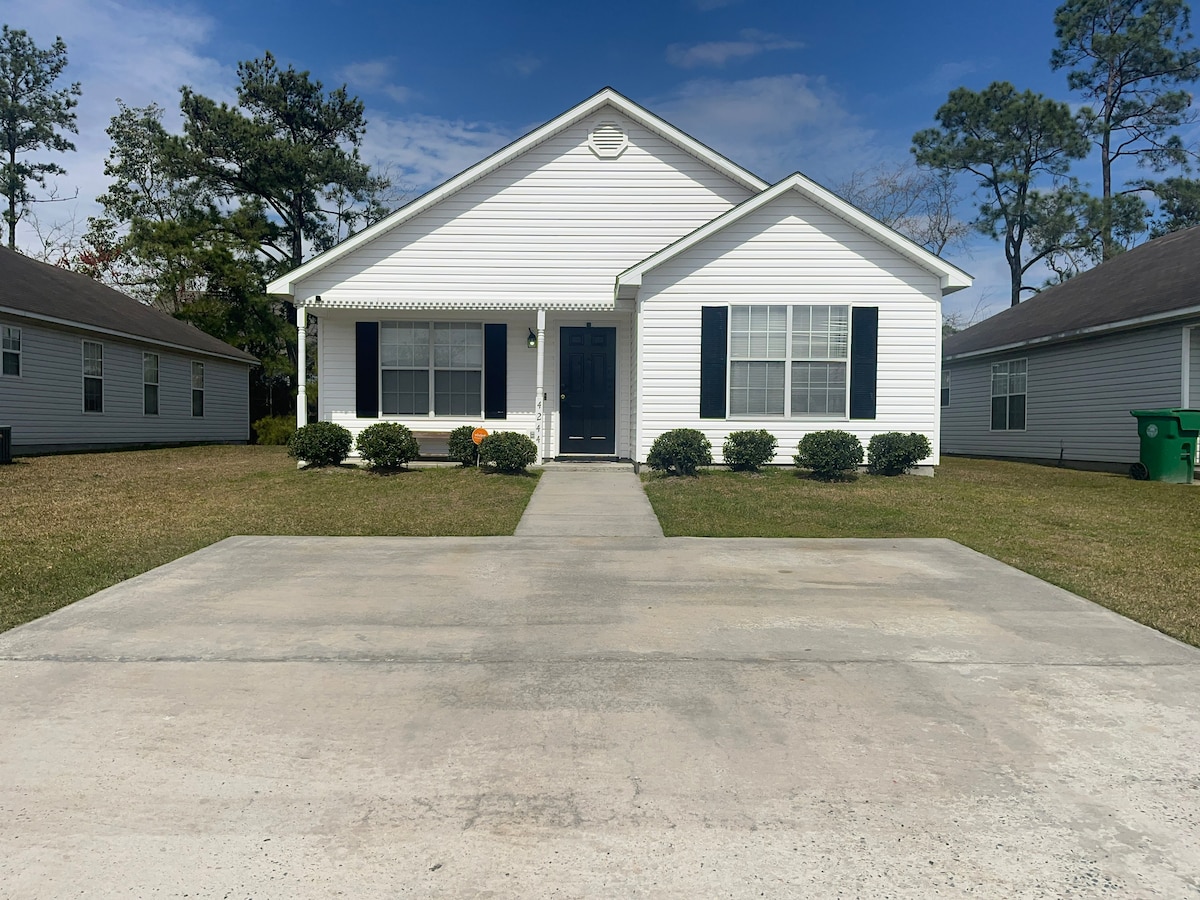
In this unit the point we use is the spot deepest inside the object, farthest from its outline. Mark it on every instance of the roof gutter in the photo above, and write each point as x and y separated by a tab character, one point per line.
124	335
1122	325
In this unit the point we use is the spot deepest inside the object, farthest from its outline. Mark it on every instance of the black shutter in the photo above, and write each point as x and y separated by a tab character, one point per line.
366	369
495	371
714	331
864	360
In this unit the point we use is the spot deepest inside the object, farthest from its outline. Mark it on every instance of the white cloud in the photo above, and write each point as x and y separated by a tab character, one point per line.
138	51
716	53
420	152
375	76
524	64
773	125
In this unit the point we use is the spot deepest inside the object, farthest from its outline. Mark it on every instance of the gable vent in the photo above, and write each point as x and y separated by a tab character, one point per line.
608	140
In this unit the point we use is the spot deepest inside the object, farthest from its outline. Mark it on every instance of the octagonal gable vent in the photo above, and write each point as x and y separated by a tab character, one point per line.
608	140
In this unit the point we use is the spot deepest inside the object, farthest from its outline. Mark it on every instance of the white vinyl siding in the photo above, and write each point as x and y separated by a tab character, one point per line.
150	384
553	226
10	351
45	409
93	377
790	252
1079	397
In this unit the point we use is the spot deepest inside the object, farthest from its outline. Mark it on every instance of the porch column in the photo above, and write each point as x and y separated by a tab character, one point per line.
539	404
301	366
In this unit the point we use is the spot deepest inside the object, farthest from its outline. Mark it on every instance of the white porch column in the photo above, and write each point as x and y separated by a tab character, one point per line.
539	404
301	366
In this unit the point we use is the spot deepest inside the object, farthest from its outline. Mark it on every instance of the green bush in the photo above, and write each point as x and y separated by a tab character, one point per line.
508	451
274	431
462	448
320	444
894	453
680	452
748	451
387	445
831	455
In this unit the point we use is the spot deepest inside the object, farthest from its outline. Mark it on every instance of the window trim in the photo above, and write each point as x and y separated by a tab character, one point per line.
145	384
1008	405
6	352
197	366
96	378
789	360
432	369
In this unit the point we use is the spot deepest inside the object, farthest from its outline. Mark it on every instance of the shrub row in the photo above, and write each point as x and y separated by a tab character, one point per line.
387	446
827	454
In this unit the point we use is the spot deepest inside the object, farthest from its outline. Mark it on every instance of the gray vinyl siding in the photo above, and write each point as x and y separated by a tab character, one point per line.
1078	400
44	405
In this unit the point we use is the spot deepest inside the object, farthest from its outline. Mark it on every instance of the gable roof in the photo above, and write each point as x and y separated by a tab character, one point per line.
1156	281
951	277
605	97
38	290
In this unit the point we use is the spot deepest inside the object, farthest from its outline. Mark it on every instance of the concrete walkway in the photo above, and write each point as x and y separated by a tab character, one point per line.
589	500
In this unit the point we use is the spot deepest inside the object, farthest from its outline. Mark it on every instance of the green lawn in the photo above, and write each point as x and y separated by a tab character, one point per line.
76	524
1133	546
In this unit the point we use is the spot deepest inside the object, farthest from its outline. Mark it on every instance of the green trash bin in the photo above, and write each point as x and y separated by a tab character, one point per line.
1168	444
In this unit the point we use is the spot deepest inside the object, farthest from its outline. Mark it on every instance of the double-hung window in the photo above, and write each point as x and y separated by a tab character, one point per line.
1008	395
197	389
945	387
431	365
10	350
93	377
788	360
150	384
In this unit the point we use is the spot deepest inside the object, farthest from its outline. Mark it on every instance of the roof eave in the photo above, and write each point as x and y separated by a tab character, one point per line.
1091	331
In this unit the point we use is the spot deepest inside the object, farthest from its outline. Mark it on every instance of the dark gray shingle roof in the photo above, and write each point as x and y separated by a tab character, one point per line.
1156	278
27	285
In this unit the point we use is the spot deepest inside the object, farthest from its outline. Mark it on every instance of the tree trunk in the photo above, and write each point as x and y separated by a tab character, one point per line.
1106	229
12	199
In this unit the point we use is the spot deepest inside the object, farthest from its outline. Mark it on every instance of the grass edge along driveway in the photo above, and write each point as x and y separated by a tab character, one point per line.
76	524
1132	546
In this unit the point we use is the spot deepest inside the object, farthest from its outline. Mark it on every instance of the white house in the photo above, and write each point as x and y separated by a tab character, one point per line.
607	278
85	367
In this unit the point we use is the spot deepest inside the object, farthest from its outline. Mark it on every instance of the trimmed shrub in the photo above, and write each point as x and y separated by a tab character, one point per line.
831	455
680	452
462	448
508	451
387	445
894	453
747	451
274	431
320	444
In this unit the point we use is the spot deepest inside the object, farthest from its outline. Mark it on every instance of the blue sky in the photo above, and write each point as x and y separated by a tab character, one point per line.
823	88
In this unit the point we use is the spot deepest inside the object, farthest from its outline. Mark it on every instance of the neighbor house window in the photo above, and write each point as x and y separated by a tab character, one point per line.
1008	395
150	384
93	377
431	365
197	389
10	350
788	360
945	388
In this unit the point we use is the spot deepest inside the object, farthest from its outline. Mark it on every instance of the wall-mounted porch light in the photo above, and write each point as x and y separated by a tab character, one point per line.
531	341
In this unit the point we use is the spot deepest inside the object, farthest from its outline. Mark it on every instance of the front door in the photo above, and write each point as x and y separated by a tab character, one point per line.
588	390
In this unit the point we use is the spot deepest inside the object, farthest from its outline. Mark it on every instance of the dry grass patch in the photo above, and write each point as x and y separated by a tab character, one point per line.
77	524
1128	545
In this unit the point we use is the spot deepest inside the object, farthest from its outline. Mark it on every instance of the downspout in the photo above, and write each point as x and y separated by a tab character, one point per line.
539	404
301	366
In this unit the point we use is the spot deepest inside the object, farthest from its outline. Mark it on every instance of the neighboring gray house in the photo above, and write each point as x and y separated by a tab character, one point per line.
1054	378
83	366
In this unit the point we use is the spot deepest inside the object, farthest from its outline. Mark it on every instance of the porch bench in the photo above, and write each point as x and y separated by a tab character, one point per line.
434	444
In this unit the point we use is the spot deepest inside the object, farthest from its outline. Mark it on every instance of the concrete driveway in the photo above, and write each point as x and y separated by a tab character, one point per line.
595	717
